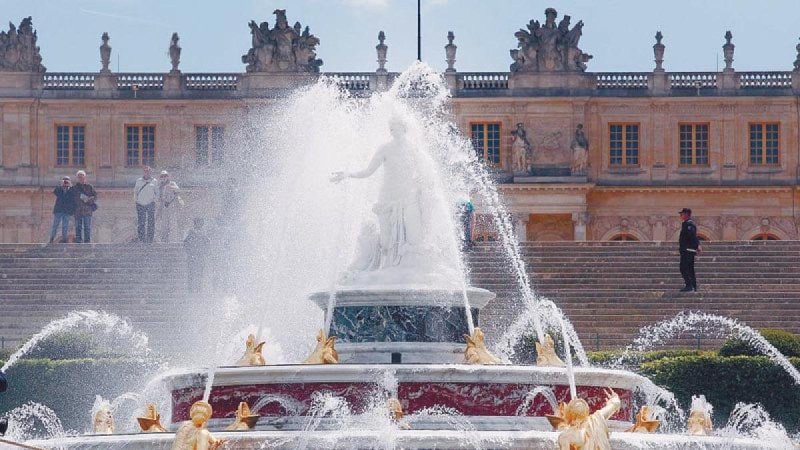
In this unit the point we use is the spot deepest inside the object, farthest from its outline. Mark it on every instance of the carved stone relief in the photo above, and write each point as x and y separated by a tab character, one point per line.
283	48
549	47
18	50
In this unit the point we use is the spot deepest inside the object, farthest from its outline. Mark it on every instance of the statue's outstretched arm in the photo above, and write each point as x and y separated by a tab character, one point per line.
612	405
376	162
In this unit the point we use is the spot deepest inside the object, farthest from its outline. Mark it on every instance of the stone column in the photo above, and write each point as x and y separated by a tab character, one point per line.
521	226
579	220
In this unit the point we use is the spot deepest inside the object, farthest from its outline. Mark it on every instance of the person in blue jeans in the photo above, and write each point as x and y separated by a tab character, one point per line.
63	209
84	197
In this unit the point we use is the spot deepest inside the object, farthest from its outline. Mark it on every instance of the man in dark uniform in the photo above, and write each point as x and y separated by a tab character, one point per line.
689	247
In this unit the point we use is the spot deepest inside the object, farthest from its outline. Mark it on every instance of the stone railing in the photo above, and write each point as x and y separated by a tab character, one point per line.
211	81
751	80
68	81
695	80
139	81
483	80
622	80
352	81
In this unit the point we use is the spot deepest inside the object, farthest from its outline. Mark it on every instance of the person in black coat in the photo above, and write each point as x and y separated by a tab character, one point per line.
63	209
689	245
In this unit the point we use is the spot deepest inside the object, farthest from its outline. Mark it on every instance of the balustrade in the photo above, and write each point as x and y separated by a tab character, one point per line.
485	80
751	80
622	80
211	81
140	81
75	81
696	80
352	81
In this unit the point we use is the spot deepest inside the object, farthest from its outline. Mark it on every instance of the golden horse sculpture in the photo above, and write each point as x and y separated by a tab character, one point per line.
252	354
396	413
324	352
476	351
644	422
558	420
586	431
546	353
151	422
192	434
103	422
699	423
245	419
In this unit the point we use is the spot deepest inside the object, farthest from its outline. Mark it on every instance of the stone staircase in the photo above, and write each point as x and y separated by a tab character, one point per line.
609	290
40	283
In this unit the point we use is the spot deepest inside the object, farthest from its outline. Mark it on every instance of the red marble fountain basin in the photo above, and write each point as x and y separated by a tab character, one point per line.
489	395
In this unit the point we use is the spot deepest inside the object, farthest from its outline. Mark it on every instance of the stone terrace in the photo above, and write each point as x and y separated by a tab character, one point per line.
609	290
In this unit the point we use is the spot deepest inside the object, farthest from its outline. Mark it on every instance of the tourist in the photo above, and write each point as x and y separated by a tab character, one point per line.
63	209
145	193
168	204
197	247
85	204
689	246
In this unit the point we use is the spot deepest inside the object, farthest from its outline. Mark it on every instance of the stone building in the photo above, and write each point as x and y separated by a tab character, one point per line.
579	155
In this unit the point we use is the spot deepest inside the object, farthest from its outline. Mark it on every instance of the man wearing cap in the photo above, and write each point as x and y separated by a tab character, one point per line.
63	209
689	246
169	200
145	193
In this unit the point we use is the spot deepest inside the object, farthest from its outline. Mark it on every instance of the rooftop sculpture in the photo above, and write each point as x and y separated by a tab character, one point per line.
283	48
18	50
549	48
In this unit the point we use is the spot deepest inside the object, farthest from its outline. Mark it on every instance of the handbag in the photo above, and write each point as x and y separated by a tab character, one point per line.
93	206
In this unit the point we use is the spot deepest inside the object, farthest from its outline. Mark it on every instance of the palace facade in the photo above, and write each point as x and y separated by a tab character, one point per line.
578	155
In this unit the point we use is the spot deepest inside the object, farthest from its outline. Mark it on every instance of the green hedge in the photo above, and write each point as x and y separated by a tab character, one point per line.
69	387
786	343
726	381
607	358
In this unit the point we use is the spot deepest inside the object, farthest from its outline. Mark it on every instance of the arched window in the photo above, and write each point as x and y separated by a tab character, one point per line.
624	237
765	237
703	238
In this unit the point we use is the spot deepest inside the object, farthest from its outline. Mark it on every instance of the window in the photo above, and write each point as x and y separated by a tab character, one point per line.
693	144
140	144
70	145
624	237
623	144
209	142
764	143
765	237
486	142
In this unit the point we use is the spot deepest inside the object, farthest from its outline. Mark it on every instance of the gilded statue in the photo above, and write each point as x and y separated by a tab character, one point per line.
192	434
103	422
699	422
476	351
252	354
151	421
324	352
245	419
396	413
558	420
587	431
546	353
645	423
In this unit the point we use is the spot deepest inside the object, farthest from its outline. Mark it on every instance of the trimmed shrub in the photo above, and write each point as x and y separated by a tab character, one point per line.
726	381
786	343
606	358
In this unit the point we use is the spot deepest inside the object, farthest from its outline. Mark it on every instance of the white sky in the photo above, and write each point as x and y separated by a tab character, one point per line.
214	34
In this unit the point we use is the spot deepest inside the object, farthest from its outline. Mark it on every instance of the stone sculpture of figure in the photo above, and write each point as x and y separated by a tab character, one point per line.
151	421
245	419
103	422
174	53
282	48
521	151
549	48
579	163
18	50
797	60
644	422
546	353
476	351
396	413
192	434
105	54
252	354
549	58
587	431
324	352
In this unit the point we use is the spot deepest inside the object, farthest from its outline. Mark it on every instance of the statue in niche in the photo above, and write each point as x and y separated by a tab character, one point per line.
580	152
282	48
174	53
18	50
521	151
549	48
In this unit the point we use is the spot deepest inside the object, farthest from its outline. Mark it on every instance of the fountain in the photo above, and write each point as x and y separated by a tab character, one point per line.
391	367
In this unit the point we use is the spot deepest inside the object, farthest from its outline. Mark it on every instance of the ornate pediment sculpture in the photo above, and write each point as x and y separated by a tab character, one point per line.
549	48
283	48
18	50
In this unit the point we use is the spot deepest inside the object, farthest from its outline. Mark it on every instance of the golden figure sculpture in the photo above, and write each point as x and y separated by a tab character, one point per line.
476	351
644	422
103	421
558	420
699	423
151	422
192	434
324	352
588	431
396	413
252	354
245	419
546	353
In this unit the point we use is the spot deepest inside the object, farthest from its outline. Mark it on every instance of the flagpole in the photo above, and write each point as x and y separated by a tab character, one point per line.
419	31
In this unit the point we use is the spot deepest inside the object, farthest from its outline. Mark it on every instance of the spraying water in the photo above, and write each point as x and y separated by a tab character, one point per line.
33	420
